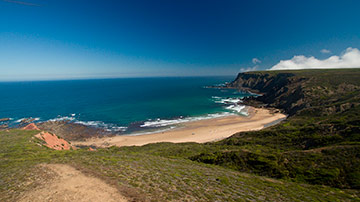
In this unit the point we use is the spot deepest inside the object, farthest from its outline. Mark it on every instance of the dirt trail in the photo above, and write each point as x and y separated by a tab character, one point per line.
70	184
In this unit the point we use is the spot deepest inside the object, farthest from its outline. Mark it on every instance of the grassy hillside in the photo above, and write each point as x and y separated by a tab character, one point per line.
318	144
320	141
148	177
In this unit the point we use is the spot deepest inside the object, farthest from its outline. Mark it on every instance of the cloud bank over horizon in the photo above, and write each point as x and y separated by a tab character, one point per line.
350	58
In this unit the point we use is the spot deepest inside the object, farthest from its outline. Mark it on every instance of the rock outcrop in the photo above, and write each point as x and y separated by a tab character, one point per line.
4	119
282	90
54	142
73	131
4	123
319	92
31	126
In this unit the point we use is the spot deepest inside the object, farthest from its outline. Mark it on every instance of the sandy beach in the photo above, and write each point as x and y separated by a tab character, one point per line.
198	131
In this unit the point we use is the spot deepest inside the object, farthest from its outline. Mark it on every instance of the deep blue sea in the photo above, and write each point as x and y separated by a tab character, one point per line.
124	105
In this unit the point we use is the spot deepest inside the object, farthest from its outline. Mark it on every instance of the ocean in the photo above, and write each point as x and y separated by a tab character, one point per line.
126	105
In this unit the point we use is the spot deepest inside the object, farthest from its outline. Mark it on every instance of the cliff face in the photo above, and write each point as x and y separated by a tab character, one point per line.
283	90
311	92
320	141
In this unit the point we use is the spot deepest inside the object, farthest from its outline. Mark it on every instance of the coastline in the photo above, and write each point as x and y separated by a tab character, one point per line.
201	131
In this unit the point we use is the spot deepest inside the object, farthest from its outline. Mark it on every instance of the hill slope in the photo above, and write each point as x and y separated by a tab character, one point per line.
144	177
320	141
318	144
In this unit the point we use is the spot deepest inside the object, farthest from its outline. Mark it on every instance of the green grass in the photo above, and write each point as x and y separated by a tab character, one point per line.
324	108
319	144
149	176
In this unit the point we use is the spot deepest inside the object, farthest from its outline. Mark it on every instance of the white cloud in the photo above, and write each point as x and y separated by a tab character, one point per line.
325	51
350	58
255	61
249	69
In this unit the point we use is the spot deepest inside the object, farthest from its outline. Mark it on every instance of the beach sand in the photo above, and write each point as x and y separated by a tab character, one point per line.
198	131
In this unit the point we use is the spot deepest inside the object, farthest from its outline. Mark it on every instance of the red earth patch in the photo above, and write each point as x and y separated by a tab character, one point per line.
31	126
53	141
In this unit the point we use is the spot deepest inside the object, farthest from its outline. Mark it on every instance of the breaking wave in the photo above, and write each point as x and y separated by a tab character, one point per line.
107	126
25	119
226	100
96	124
167	122
232	104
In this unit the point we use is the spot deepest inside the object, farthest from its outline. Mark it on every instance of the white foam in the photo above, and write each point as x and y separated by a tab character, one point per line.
230	103
226	100
22	119
236	108
63	118
167	122
100	124
116	129
89	123
97	124
19	120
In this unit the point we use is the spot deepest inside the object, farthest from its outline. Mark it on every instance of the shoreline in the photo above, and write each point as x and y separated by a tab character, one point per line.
245	113
201	131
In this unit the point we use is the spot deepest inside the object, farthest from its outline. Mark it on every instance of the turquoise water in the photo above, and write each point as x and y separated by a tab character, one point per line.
120	105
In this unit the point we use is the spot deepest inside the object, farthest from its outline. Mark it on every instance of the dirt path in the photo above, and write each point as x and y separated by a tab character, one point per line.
70	184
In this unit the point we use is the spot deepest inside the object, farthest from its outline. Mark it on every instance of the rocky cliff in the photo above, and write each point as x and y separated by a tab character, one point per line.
320	92
283	90
319	143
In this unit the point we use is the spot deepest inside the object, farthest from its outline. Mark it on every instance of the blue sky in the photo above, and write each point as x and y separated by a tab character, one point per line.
70	39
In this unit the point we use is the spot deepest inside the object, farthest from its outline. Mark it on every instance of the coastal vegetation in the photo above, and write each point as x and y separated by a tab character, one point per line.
314	155
317	144
142	176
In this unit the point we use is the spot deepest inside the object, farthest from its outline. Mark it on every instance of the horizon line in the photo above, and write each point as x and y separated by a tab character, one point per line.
108	78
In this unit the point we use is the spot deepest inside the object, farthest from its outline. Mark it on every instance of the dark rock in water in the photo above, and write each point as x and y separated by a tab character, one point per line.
4	126
73	131
4	119
26	121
